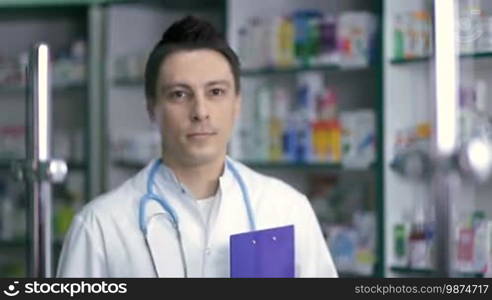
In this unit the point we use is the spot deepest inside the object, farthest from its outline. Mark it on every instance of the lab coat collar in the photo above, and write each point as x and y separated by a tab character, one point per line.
227	178
169	176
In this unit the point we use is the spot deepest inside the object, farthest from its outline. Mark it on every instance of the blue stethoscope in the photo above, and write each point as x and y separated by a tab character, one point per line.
150	195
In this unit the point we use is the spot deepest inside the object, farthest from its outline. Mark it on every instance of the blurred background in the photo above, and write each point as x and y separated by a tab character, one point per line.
338	102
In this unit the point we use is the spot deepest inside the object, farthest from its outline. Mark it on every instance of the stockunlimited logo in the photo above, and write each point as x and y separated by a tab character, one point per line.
11	291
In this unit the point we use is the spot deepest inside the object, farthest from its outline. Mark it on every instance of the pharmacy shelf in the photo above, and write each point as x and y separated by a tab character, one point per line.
429	272
57	88
292	70
72	165
426	59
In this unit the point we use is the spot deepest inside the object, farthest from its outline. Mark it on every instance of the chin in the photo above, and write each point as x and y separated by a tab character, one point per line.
201	157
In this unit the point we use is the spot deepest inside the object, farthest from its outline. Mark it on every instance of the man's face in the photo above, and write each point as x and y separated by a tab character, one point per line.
196	106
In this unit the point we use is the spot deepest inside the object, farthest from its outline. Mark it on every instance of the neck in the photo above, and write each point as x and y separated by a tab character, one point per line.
201	179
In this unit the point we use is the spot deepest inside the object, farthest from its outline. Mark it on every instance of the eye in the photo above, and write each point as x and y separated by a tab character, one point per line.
177	95
217	92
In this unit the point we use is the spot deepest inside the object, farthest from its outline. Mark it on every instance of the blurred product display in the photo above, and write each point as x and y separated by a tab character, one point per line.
308	38
345	211
307	126
136	147
412	31
412	35
130	67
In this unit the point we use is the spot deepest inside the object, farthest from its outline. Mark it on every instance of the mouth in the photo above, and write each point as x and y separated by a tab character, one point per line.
200	135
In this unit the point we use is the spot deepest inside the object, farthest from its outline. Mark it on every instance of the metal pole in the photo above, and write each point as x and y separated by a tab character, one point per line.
446	125
38	151
443	237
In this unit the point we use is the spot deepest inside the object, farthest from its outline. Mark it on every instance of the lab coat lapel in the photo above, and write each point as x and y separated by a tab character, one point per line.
231	215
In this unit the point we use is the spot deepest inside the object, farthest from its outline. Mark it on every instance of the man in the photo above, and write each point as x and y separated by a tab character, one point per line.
176	216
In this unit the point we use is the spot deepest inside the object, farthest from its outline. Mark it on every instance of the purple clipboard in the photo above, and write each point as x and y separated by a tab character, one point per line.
263	253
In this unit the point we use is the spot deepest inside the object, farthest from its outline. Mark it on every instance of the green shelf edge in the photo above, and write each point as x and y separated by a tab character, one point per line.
426	59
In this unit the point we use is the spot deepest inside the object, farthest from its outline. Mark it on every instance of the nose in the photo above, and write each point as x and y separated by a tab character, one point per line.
199	110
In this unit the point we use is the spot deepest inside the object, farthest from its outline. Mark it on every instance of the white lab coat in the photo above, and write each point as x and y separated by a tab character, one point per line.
105	240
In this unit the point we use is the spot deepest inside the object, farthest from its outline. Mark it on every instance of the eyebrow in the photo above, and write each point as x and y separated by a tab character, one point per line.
224	82
166	87
169	86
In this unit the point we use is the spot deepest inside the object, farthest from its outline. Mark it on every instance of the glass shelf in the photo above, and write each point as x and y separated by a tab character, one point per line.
401	61
288	70
430	272
57	88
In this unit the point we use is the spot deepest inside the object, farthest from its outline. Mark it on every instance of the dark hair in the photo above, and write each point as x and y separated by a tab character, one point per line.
189	33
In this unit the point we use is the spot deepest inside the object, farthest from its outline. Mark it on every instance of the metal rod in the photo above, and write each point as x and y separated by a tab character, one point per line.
38	151
443	245
446	125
